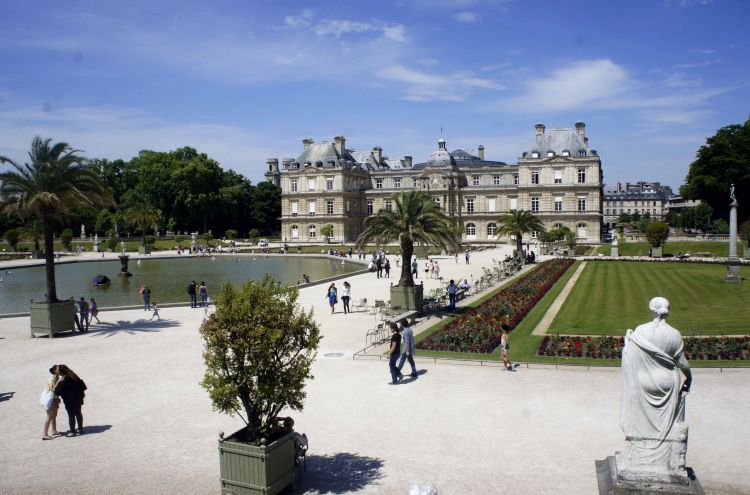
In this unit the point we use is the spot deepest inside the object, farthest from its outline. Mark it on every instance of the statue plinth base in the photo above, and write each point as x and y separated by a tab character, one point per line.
612	482
733	270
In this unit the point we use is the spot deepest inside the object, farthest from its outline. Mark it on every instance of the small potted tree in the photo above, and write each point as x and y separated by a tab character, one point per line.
327	232
744	233
259	347
657	234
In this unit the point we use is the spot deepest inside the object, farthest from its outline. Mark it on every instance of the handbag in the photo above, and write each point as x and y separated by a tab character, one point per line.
46	399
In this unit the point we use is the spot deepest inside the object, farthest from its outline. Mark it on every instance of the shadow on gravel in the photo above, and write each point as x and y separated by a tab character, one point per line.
94	429
6	396
409	379
107	329
338	473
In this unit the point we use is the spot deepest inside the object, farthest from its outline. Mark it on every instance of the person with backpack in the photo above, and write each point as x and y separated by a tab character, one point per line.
192	292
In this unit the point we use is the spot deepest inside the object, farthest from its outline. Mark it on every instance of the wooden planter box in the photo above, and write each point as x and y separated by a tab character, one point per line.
256	469
407	298
656	252
51	318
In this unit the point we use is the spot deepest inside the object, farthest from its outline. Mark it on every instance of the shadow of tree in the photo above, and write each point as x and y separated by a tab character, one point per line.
6	396
107	329
338	473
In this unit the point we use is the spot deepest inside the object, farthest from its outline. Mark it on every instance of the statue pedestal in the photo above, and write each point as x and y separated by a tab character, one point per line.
612	483
615	251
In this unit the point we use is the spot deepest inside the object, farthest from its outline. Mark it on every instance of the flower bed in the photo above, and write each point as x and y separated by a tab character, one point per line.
731	348
479	329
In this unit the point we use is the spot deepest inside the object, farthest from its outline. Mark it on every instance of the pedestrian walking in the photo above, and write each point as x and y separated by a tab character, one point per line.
204	294
467	256
346	294
427	269
452	289
75	315
414	267
504	348
407	350
155	314
191	292
332	295
436	270
379	266
387	268
394	352
94	310
84	309
72	390
146	298
52	406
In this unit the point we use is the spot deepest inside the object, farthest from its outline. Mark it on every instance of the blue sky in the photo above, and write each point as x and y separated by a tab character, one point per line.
247	80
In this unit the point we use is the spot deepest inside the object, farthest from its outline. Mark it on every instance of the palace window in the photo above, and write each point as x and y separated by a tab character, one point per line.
513	203
491	204
581	203
495	180
295	207
378	183
311	232
475	180
397	182
515	179
414	182
329	184
293	184
311	207
471	230
295	232
558	176
535	177
470	205
491	229
558	203
388	204
535	203
310	184
581	175
329	207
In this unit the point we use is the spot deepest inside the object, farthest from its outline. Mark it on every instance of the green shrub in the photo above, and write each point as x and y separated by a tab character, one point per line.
112	243
12	236
230	234
657	233
66	238
150	240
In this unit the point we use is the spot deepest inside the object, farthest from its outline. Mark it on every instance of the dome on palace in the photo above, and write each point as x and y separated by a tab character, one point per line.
441	157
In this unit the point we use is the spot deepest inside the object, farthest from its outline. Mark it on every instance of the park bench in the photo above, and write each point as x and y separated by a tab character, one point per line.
408	316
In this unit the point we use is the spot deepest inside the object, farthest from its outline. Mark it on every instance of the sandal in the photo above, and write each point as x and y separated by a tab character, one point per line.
47	437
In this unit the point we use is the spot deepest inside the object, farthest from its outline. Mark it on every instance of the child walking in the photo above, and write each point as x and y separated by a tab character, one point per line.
156	312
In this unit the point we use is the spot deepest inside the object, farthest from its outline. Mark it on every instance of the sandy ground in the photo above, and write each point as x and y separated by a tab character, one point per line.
466	429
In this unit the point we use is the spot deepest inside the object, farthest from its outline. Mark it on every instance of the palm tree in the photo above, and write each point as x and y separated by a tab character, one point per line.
415	218
517	223
56	179
143	216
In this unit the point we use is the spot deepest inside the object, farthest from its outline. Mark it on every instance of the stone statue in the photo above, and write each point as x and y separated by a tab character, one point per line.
731	193
614	239
652	408
83	231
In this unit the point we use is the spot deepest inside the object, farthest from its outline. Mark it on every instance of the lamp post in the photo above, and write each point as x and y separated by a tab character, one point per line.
733	262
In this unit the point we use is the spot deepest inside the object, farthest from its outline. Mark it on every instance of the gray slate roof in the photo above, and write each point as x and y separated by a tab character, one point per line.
559	140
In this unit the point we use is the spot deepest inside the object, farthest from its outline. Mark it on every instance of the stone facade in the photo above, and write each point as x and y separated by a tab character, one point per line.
641	198
559	179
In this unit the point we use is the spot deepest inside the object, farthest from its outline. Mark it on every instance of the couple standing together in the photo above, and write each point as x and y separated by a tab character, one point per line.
402	344
66	384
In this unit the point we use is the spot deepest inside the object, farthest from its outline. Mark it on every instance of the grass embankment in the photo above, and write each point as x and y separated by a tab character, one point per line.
717	248
610	297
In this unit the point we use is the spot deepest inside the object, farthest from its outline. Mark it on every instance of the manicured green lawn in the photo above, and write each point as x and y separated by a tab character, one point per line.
717	248
610	297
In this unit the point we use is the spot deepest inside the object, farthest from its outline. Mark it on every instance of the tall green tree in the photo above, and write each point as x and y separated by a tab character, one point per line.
723	160
266	208
415	218
55	179
143	214
518	223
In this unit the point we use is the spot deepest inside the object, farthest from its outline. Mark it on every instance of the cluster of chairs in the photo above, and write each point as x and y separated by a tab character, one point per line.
382	310
499	272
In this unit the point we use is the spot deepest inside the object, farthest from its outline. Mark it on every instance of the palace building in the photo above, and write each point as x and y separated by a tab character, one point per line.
559	179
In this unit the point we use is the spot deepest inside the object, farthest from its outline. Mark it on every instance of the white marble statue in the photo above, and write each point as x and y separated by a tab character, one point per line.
83	231
652	408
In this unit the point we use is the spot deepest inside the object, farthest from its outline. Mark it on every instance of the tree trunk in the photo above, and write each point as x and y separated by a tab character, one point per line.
49	259
519	245
407	249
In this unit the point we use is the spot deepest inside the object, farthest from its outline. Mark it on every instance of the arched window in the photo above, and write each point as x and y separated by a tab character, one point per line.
491	230
558	226
581	230
311	231
471	230
295	232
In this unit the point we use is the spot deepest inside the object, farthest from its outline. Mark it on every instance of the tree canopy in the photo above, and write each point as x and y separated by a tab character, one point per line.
517	223
723	160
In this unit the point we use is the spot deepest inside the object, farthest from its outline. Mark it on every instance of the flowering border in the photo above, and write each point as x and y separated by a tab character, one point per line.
479	329
711	348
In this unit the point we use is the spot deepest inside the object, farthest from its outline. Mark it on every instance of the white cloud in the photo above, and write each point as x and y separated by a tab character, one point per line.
336	28
466	17
301	20
427	61
576	86
425	86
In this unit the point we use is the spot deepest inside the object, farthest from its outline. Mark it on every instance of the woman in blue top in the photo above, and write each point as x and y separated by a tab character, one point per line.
332	297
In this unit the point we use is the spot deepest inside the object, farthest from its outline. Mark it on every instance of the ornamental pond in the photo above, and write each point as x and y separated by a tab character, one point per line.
167	278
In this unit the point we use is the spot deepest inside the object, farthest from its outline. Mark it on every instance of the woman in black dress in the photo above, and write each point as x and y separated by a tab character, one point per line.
72	390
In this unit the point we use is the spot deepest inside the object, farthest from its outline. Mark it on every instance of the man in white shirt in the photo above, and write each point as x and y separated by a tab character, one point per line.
407	349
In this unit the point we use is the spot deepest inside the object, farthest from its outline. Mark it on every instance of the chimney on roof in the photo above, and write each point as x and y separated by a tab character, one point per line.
480	152
340	145
407	161
377	151
307	142
581	130
273	165
539	130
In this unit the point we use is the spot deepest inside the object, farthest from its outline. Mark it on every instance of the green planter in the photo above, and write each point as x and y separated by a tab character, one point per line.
144	250
248	469
51	318
746	253
407	298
